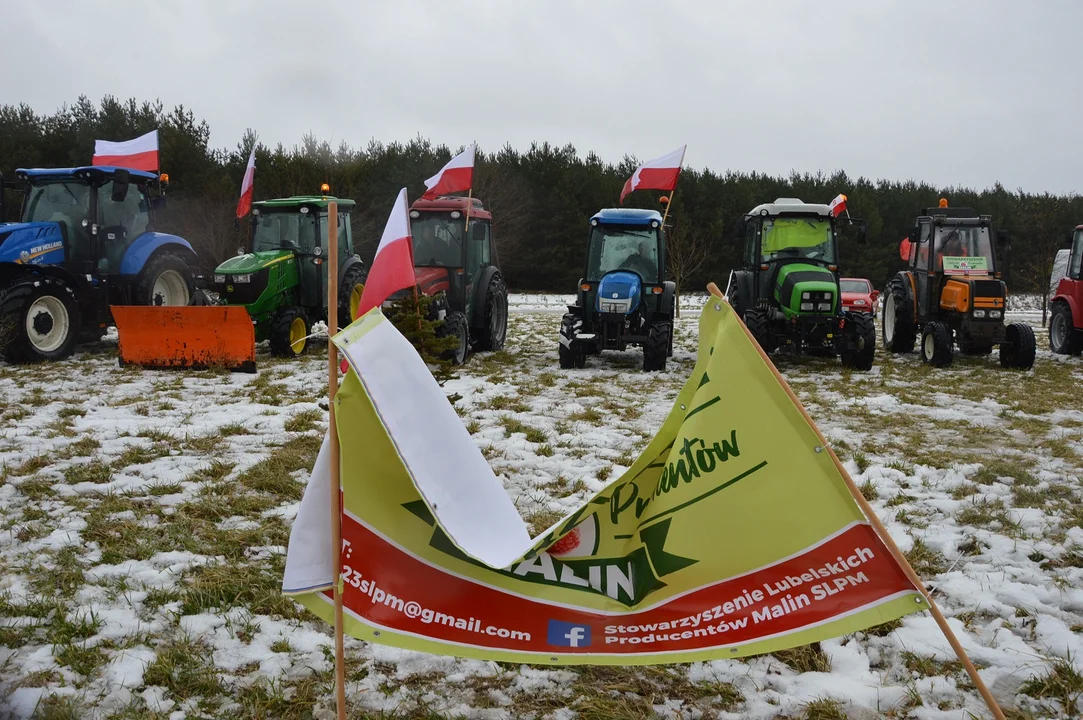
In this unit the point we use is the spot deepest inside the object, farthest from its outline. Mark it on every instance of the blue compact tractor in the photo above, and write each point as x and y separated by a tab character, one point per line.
85	240
623	299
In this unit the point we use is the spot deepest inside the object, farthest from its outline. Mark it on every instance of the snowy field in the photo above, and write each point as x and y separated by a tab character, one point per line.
144	518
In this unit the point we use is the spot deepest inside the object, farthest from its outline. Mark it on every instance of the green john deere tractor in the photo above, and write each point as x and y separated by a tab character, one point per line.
787	290
282	282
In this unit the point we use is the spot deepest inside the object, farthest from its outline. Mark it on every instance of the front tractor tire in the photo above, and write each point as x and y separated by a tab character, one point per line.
494	331
656	349
350	290
290	329
166	280
897	322
571	353
860	333
1017	350
456	326
757	323
39	320
936	345
1064	339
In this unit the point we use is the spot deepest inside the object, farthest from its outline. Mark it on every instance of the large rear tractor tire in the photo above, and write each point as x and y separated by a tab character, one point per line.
1018	347
290	329
349	293
456	326
936	345
1064	339
860	332
897	323
656	349
39	320
757	323
166	280
571	355
494	331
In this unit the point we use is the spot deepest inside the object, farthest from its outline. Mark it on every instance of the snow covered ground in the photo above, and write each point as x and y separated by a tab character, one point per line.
144	517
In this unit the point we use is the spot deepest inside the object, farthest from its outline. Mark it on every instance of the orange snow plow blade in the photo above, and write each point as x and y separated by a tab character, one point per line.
196	337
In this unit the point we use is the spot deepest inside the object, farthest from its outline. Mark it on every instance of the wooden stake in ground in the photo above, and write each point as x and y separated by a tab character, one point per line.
336	511
885	537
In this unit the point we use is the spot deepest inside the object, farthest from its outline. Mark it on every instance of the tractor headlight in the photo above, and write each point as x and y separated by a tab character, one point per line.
242	278
219	278
995	314
979	313
806	306
806	296
824	306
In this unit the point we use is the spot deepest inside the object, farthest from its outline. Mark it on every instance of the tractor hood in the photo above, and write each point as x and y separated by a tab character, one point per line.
796	279
38	243
432	280
252	262
619	292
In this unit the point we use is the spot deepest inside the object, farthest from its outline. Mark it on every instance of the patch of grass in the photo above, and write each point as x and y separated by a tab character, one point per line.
928	666
926	561
94	471
824	709
181	668
303	421
36	488
202	444
884	629
27	467
256	587
274	475
233	429
604	472
862	461
139	455
473	427
992	513
216	471
993	470
545	450
963	490
1062	683
805	658
536	435
512	425
868	489
590	415
64	575
507	402
58	707
85	445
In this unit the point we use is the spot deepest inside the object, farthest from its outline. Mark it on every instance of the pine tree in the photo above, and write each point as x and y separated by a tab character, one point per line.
413	315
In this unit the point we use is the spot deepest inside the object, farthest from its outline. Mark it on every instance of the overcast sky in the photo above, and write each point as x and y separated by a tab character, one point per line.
955	92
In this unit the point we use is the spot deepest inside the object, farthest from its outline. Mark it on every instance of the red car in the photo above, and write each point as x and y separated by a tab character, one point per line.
858	295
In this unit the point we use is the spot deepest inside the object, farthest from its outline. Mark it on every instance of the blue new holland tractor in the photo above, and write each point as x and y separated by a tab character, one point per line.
623	299
85	240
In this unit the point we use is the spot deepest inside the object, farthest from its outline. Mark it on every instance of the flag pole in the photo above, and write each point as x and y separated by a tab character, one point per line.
469	202
336	510
885	537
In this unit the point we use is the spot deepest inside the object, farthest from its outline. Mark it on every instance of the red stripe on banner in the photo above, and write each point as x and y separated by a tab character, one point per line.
147	161
451	180
389	587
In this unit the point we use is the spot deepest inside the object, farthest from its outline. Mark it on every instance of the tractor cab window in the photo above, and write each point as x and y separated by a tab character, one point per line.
66	203
288	230
809	238
1076	262
343	237
615	247
438	239
131	213
922	257
477	248
969	241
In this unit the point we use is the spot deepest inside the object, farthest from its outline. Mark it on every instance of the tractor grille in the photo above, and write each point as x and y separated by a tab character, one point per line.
987	288
236	293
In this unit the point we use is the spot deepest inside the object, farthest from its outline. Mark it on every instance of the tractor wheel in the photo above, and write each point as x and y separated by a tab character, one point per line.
861	329
350	290
165	280
936	345
495	330
1018	347
1064	339
897	322
570	358
456	326
39	320
757	324
289	332
656	349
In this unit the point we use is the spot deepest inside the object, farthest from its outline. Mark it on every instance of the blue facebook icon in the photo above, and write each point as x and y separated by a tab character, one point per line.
568	634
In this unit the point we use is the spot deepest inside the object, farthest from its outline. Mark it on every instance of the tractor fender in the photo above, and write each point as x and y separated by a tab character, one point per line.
11	272
665	310
150	243
480	287
347	264
1074	305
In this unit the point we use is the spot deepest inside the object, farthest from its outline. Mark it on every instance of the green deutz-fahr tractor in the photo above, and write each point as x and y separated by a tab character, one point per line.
282	282
787	290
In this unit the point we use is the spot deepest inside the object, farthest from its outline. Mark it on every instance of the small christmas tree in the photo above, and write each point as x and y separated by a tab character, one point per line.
414	317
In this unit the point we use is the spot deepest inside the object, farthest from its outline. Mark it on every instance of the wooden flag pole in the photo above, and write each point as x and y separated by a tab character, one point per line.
885	537
336	510
669	205
469	202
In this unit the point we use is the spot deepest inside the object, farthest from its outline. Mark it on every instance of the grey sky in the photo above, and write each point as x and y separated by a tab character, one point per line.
956	92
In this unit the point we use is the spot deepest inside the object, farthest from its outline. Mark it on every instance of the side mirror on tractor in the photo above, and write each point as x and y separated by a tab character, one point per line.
121	178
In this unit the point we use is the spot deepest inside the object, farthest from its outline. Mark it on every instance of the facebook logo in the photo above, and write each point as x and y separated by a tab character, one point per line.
568	634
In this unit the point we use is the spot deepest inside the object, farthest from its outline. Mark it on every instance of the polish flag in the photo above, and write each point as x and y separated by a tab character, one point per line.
245	203
837	205
658	174
393	267
138	154
456	176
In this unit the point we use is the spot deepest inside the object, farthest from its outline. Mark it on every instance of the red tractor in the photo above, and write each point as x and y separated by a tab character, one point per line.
455	260
1066	321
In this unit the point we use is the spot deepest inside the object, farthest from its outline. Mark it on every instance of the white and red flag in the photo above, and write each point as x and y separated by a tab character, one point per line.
245	203
393	267
837	205
138	154
657	174
456	176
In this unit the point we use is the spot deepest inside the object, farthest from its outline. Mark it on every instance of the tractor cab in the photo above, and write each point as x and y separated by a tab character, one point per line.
623	298
1066	319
